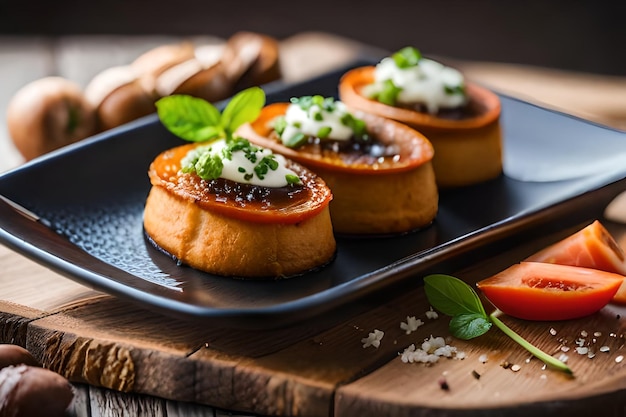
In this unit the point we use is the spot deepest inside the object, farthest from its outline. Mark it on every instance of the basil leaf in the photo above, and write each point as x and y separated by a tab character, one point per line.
452	296
189	118
244	107
469	326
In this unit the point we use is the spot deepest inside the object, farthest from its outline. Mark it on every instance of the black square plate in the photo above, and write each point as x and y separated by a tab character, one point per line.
84	207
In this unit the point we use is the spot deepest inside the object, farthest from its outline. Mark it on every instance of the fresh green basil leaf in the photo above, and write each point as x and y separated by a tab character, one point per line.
469	326
189	118
244	107
452	296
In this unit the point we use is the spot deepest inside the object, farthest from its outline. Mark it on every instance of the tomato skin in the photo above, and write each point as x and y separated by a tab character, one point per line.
545	292
590	247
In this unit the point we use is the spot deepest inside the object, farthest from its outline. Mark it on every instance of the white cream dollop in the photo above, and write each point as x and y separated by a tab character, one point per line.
314	119
240	168
425	83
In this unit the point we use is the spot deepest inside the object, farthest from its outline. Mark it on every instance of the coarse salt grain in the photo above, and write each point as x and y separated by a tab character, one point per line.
483	358
552	331
430	351
619	358
604	348
515	368
431	314
582	350
411	324
373	339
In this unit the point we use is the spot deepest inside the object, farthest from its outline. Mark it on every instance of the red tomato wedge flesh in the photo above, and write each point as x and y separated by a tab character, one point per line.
591	247
544	291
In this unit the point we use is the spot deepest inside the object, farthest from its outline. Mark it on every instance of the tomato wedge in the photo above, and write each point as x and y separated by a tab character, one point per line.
544	291
590	247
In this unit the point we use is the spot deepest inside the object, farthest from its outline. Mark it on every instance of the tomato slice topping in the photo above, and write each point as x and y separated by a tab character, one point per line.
544	291
590	247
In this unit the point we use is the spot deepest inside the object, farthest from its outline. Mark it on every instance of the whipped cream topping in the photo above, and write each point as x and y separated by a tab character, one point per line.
425	82
241	162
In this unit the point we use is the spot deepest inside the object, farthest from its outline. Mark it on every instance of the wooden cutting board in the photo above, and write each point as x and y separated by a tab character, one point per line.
315	368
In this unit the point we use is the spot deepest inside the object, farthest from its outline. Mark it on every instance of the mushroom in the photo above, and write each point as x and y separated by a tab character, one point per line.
151	64
119	96
251	59
47	114
202	76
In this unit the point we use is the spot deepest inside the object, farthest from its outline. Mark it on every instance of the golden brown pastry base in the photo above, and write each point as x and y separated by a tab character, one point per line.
228	246
370	204
465	158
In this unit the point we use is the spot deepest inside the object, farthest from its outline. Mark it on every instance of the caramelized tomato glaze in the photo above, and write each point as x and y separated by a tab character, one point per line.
351	152
391	147
289	204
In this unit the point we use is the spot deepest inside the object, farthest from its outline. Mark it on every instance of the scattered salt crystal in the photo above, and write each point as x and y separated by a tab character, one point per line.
605	348
460	355
591	355
619	359
431	350
564	348
584	333
515	367
597	334
563	357
552	331
411	324
432	314
433	343
483	358
582	350
543	376
373	339
446	351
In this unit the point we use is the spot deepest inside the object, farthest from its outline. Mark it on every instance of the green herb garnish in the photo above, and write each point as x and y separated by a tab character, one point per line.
407	57
197	120
306	102
455	298
452	90
388	94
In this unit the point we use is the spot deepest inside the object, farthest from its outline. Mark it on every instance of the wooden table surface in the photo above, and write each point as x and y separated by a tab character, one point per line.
124	360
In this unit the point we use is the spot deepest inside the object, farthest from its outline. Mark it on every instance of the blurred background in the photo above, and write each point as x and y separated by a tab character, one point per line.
579	35
567	55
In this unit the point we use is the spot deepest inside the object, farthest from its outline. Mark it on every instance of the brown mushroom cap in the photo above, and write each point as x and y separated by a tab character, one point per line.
251	59
119	96
203	76
150	65
47	114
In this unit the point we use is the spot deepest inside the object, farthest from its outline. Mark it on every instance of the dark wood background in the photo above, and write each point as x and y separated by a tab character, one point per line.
579	35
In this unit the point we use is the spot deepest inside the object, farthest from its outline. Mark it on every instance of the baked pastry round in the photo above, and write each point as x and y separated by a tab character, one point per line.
372	194
468	144
234	229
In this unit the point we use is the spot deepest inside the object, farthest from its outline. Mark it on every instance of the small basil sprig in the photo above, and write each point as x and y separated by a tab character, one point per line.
197	120
455	298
